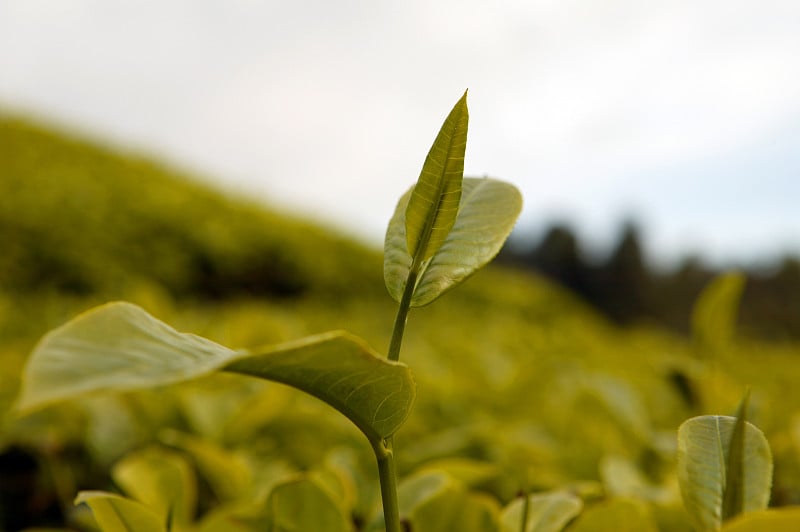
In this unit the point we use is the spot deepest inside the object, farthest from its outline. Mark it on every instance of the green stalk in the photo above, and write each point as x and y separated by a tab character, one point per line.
402	316
388	477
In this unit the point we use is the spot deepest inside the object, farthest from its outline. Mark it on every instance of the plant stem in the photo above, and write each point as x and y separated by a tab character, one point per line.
388	476
402	316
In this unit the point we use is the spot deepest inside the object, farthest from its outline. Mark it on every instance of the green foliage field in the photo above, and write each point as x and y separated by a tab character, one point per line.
520	387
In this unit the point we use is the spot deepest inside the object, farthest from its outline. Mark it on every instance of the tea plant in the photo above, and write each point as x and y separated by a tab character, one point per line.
444	229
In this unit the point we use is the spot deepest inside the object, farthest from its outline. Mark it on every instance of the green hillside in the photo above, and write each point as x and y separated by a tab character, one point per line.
520	386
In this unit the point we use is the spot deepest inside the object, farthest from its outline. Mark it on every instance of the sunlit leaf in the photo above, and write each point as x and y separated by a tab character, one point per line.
714	313
119	347
302	504
118	514
432	208
489	208
547	512
703	450
162	480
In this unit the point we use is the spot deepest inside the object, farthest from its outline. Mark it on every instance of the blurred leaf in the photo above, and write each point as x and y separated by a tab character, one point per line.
714	313
704	444
488	211
456	509
433	206
619	515
772	520
119	346
547	512
162	480
226	472
118	514
302	504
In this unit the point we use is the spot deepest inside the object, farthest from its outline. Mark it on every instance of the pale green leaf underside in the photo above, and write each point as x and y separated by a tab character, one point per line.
119	514
431	211
489	208
119	346
703	447
547	512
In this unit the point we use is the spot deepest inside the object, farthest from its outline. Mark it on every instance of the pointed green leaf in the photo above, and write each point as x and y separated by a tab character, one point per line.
489	208
714	313
547	512
703	454
118	514
733	497
120	347
432	208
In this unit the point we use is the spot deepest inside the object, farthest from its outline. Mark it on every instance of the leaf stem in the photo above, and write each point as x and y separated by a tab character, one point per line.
402	315
388	477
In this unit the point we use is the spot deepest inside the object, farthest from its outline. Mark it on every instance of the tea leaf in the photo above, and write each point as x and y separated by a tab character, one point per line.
704	446
733	497
489	208
374	393
714	313
119	514
121	347
432	208
547	512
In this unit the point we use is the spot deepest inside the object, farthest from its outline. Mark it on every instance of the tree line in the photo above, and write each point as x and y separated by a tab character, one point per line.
628	290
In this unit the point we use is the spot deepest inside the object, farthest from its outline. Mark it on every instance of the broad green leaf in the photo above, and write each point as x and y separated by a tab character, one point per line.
703	450
120	347
302	504
432	208
118	514
714	313
547	512
489	208
162	480
772	520
374	393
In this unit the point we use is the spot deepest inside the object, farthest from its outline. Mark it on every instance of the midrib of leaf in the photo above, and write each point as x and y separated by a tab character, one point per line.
419	247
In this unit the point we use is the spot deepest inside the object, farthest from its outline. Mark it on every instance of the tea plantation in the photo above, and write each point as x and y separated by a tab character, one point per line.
520	387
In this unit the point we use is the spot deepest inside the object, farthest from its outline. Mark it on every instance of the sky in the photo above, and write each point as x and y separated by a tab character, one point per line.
681	115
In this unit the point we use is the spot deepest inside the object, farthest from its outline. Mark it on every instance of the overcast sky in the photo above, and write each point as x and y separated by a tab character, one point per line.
682	114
